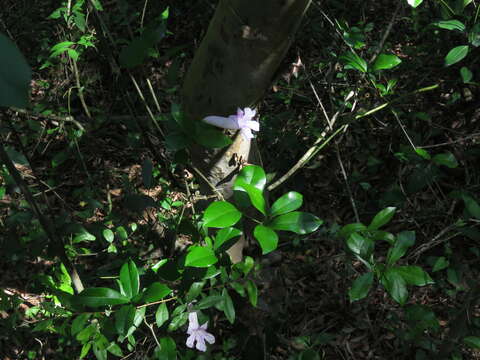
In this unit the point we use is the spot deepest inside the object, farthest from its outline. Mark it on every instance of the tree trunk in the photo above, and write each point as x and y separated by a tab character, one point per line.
233	67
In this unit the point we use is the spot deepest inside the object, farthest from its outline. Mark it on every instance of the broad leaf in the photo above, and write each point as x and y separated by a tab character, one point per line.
414	3
360	287
347	230
386	61
124	319
252	292
225	238
255	195
382	218
288	202
266	237
404	240
353	61
472	341
96	297
228	307
297	222
129	279
253	175
155	292
199	256
450	25
361	246
208	302
161	315
413	275
221	214
456	54
211	138
395	286
447	159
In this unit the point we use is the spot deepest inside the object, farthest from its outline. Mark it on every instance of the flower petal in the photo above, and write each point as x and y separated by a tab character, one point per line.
223	122
209	337
192	322
247	133
204	326
191	340
201	343
254	125
249	113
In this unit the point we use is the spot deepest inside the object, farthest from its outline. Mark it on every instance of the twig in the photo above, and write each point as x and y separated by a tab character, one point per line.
344	173
387	32
214	189
80	90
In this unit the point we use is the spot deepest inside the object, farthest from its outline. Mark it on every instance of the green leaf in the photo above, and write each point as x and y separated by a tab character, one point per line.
79	323
208	302
414	3
253	175
85	349
252	292
450	25
288	202
423	153
353	61
124	319
385	62
297	222
447	159
194	291
266	237
199	256
382	218
176	141
223	237
347	230
456	54
255	195
108	235
84	235
129	279
96	297
161	315
404	240
466	74
472	206
211	138
155	292
114	349
413	275
167	350
228	307
472	341
360	245
221	214
440	264
395	286
60	158
360	287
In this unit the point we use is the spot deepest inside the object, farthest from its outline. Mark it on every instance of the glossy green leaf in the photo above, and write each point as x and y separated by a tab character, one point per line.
79	323
472	341
361	246
161	315
472	206
423	153
382	218
266	237
167	350
199	256
413	275
155	292
447	159
124	319
450	25
395	286
255	195
252	292
456	54
225	238
221	214
208	302
347	230
253	175
440	264
212	138
108	235
228	307
84	235
96	297
353	61
297	222
414	3
288	202
386	61
15	75
129	279
466	74
360	287
114	349
195	290
404	240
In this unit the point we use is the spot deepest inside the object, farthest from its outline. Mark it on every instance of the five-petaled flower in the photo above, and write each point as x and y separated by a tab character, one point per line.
198	333
241	121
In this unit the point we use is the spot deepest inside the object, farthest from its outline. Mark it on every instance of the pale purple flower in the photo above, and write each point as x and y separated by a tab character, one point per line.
198	333
243	121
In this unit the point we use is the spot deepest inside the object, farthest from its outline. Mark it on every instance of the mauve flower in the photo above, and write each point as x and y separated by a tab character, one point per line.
198	333
242	121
